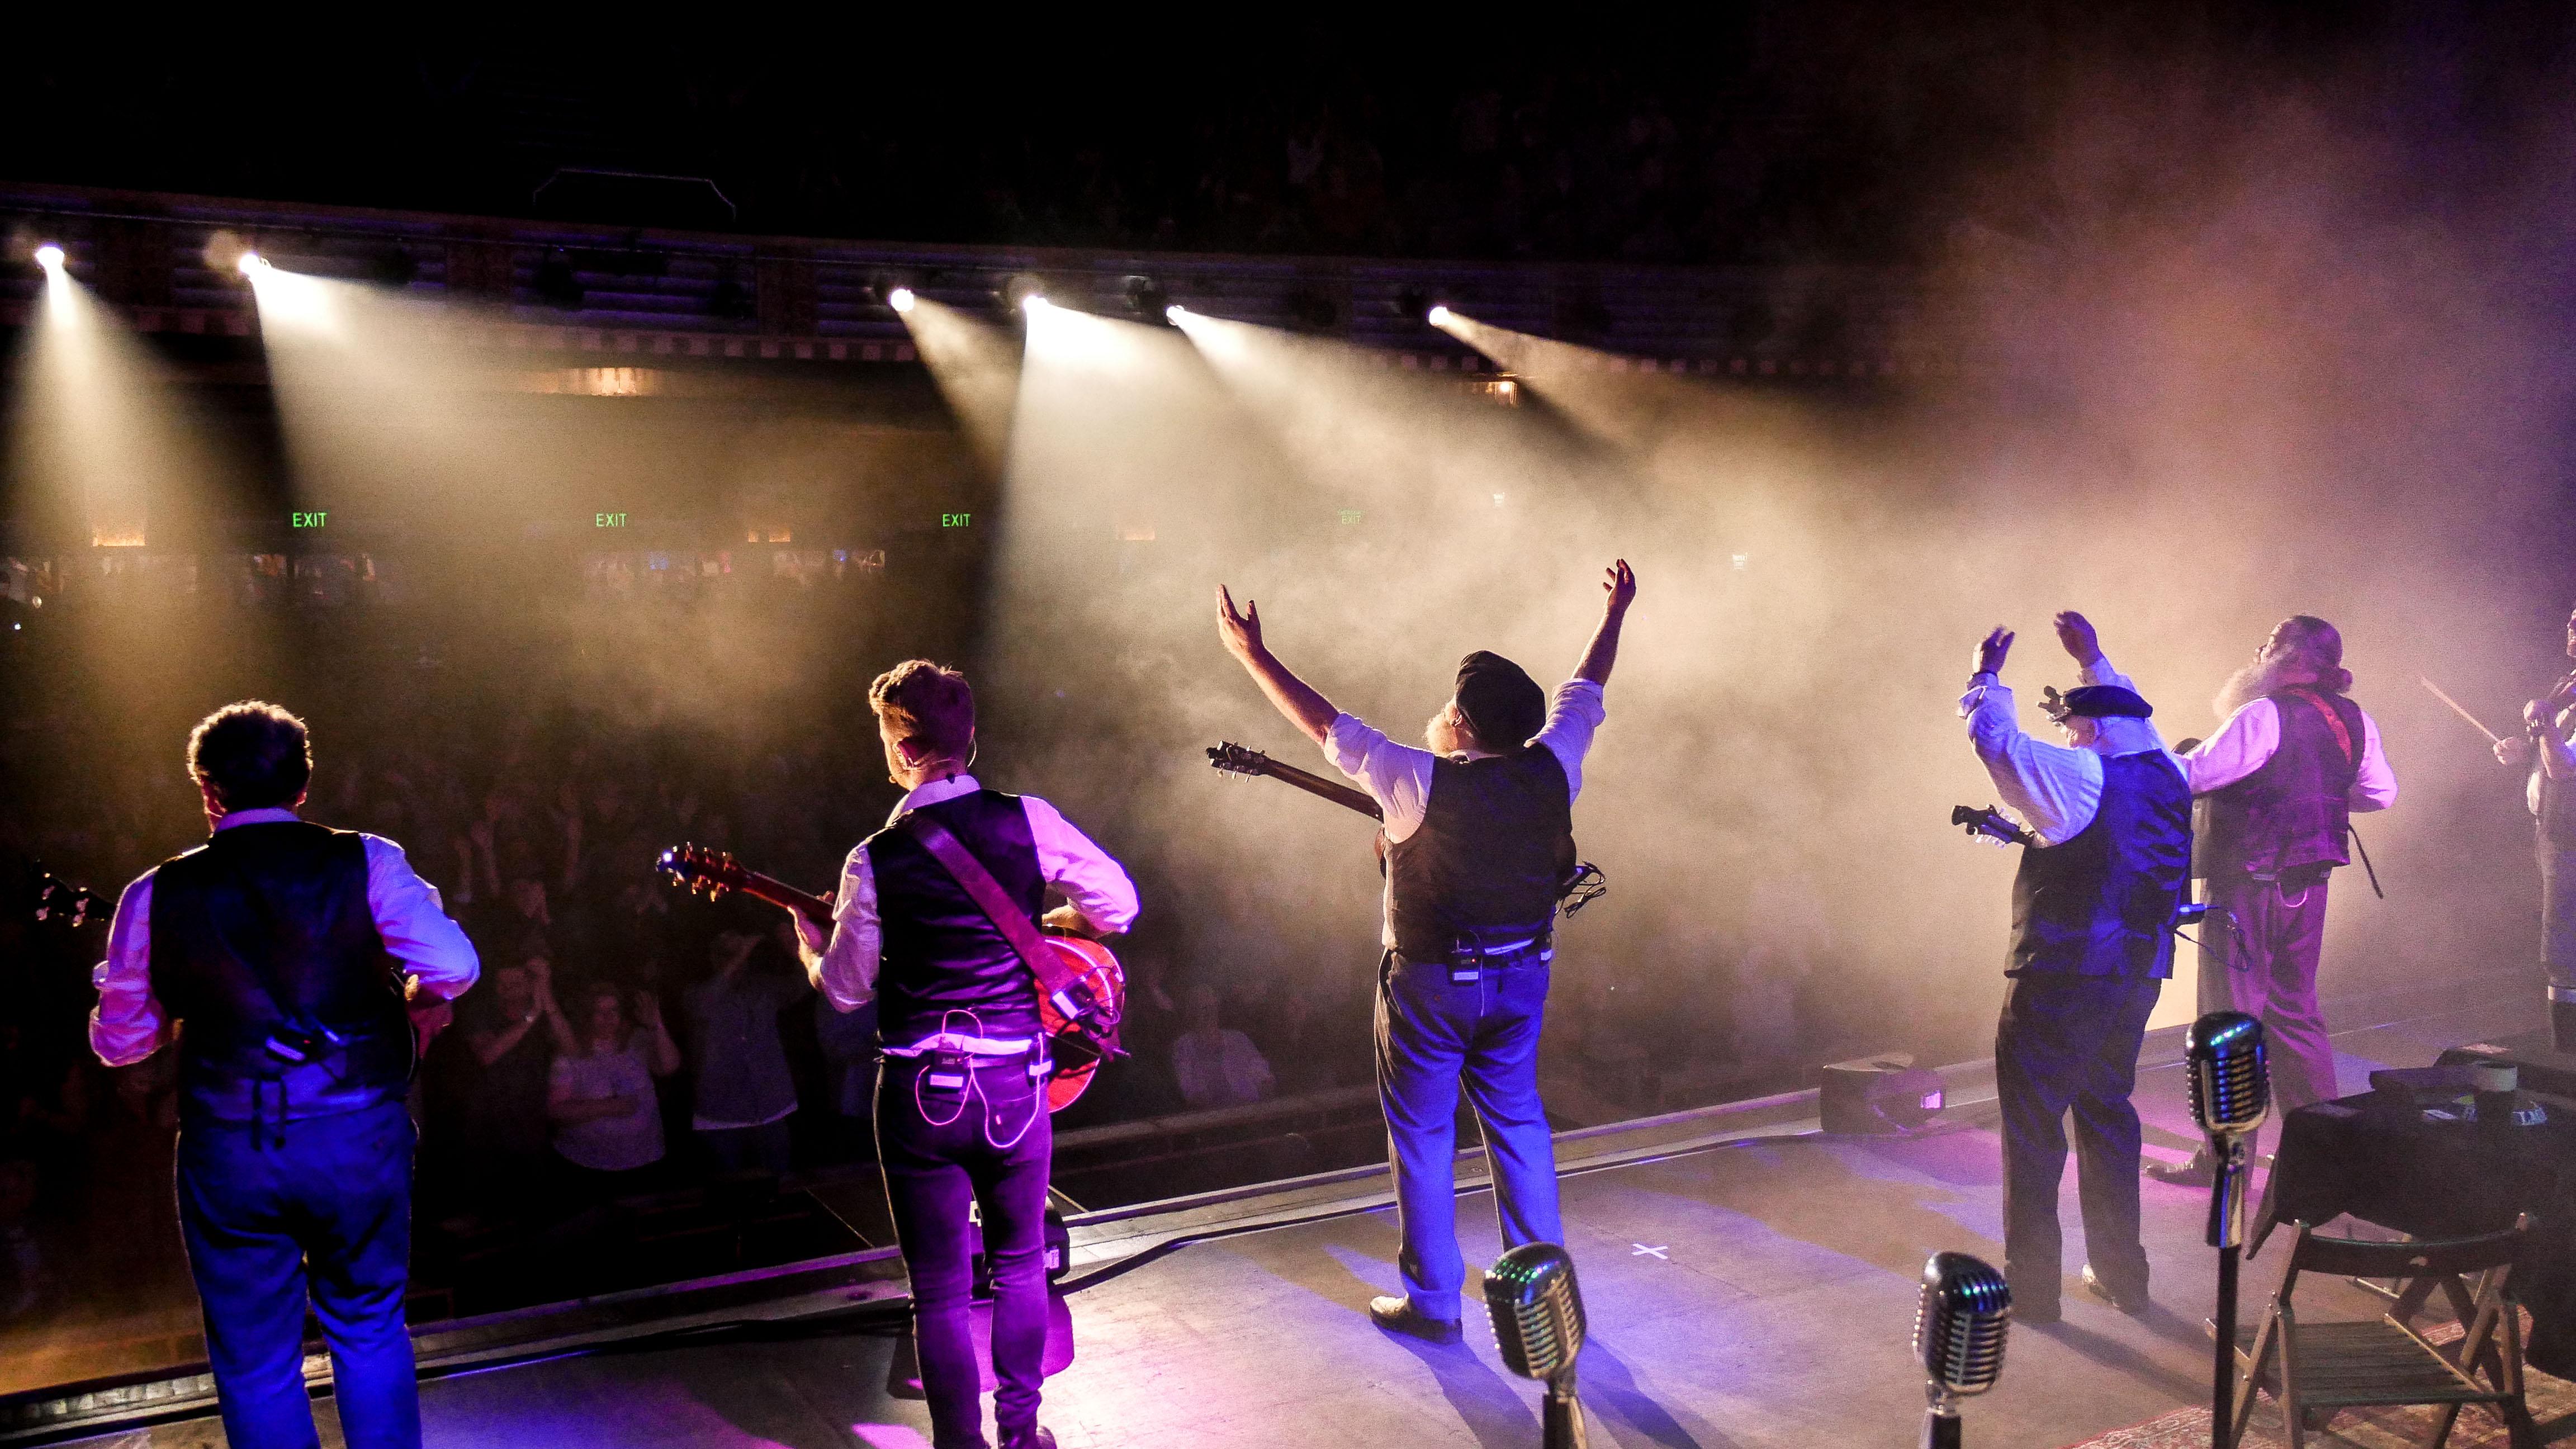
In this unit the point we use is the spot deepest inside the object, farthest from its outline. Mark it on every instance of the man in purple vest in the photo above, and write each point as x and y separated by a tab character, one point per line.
1479	831
961	1094
2279	782
288	951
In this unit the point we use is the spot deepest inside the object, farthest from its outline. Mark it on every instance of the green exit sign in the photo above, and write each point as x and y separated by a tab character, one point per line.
956	520
608	520
1351	515
301	519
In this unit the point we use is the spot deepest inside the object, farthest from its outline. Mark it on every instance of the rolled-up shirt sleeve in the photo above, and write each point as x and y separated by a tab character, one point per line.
128	1024
2055	790
1096	884
846	972
415	925
1572	717
2375	787
2249	737
1397	777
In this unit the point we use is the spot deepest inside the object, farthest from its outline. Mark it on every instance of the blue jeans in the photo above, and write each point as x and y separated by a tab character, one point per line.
946	1140
273	1213
1432	1032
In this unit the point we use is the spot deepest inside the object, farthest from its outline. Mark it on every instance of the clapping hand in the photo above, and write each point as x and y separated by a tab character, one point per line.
1620	585
2076	633
1241	631
1991	652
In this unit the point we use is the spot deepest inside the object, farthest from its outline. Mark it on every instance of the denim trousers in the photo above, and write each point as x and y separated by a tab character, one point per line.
1439	1026
949	1133
2068	1045
279	1214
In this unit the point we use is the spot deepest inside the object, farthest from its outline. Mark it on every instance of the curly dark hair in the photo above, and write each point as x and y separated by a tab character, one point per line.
255	754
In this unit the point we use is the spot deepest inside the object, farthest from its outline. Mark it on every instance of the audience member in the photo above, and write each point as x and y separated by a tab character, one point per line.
745	1093
1216	1067
607	1115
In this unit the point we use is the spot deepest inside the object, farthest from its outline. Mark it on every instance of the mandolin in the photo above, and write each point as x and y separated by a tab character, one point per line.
1991	824
1098	993
50	898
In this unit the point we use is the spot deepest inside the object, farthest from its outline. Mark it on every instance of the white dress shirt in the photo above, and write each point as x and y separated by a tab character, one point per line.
1398	777
846	970
129	1025
2053	789
2252	736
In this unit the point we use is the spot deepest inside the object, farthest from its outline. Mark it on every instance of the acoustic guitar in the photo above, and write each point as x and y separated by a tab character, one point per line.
1579	882
1099	993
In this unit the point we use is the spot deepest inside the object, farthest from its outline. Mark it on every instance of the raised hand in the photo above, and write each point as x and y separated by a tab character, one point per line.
1620	585
1241	630
2514	750
1991	653
2076	633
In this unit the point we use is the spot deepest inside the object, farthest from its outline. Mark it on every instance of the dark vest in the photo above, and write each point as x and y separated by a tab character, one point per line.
291	897
943	955
2557	819
2103	903
1487	860
2295	811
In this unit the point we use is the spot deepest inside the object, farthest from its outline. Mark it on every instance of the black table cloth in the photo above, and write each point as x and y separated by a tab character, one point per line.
2387	1164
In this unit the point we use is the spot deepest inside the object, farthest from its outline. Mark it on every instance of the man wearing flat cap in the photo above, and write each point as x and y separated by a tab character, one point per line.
2092	942
1479	839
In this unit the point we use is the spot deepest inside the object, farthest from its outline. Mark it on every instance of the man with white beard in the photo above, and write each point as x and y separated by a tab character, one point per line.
2282	776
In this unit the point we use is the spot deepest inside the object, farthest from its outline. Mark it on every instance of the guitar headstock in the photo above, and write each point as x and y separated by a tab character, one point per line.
1235	759
57	899
710	872
1989	823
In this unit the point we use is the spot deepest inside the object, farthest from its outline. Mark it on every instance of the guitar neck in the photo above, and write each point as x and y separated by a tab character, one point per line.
778	893
1342	795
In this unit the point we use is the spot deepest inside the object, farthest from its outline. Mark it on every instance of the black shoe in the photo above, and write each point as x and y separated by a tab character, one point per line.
2201	1171
2134	1307
1398	1315
1038	1437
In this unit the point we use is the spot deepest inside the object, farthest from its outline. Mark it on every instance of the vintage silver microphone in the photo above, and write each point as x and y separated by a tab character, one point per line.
1959	1329
1538	1321
2231	1094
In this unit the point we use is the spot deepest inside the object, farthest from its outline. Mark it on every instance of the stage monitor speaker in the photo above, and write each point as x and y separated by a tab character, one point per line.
1881	1096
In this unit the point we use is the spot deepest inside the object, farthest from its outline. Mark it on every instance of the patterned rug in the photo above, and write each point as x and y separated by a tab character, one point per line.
2478	1427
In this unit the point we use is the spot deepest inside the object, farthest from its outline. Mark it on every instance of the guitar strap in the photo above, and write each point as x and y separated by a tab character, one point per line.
1055	977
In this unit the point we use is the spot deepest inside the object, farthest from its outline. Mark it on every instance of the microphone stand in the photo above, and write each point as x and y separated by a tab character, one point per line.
1940	1416
2227	1234
1562	1419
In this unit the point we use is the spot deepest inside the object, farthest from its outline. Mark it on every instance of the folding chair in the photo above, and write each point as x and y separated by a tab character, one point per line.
2322	1367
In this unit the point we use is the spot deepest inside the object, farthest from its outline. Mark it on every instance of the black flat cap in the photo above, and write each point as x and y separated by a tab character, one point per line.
1503	705
2101	701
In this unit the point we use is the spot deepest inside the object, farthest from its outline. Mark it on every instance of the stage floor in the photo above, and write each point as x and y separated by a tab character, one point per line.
1756	1293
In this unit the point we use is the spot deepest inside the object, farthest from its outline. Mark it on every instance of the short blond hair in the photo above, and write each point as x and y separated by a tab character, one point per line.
927	705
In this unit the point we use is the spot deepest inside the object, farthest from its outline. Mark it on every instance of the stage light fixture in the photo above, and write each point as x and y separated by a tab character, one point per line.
1150	300
1022	292
49	257
251	264
1174	313
900	299
1438	316
1035	302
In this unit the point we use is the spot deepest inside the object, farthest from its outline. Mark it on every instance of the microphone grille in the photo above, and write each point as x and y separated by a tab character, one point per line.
1537	1309
2230	1089
1960	1324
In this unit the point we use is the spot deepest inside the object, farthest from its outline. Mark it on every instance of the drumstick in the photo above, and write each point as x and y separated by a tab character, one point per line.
2492	736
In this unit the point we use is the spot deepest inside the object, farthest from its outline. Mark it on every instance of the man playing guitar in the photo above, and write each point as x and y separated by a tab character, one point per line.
1479	832
961	1095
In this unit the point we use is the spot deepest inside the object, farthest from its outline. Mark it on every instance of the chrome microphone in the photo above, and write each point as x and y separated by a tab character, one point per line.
1538	1323
1959	1329
2231	1094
